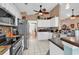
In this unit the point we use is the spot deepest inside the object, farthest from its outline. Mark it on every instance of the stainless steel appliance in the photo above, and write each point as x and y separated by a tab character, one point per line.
16	48
23	29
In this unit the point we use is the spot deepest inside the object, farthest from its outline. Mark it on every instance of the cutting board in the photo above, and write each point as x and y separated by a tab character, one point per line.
1	49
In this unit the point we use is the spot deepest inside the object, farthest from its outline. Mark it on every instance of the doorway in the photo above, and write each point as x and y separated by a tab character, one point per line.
33	29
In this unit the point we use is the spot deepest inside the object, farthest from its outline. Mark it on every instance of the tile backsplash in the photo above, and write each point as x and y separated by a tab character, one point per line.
5	29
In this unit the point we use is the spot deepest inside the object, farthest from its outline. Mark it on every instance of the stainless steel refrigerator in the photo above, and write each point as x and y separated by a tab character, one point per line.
23	29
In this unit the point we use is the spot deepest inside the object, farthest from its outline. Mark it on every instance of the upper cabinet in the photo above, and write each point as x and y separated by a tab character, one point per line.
43	23
11	8
6	18
54	22
9	14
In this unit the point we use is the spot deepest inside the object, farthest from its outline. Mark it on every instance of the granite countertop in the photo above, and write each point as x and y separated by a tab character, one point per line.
61	47
71	40
3	49
45	30
16	36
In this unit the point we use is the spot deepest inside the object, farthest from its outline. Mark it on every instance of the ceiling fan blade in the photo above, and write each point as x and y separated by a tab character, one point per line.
35	10
42	10
45	12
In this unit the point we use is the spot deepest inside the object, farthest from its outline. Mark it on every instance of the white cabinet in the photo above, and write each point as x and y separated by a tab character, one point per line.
43	23
44	35
54	50
54	22
50	35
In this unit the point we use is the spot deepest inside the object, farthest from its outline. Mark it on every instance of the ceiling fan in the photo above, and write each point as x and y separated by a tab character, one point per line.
74	16
41	11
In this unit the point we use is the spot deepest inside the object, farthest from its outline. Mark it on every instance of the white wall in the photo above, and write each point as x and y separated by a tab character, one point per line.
70	21
11	8
32	26
66	13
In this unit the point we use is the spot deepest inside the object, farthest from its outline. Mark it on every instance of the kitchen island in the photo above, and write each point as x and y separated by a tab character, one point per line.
71	45
67	45
44	33
55	48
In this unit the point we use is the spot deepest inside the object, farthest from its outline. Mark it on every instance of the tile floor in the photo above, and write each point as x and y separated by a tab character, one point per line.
37	47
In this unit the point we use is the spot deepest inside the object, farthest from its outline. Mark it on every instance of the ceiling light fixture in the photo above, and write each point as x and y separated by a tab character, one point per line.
72	16
41	11
40	14
67	6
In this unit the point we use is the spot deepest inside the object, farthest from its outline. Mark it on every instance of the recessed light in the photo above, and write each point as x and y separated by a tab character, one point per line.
67	6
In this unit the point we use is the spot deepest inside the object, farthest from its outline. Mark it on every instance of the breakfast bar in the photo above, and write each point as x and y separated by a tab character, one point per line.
71	45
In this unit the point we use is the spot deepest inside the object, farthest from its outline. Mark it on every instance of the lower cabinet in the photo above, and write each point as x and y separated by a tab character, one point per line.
70	49
44	35
54	50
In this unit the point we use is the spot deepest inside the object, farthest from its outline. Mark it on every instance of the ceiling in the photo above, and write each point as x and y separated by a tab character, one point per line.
29	7
64	13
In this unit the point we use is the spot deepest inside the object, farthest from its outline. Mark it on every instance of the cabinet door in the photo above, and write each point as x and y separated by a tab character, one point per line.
54	22
54	50
43	35
43	23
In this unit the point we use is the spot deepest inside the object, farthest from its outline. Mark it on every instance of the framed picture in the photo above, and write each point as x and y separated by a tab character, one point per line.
72	25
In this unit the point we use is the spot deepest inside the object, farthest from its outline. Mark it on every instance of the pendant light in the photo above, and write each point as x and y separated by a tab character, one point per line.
73	16
40	11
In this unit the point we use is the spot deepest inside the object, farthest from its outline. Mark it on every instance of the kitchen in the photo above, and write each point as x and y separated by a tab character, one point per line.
54	32
67	36
12	38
